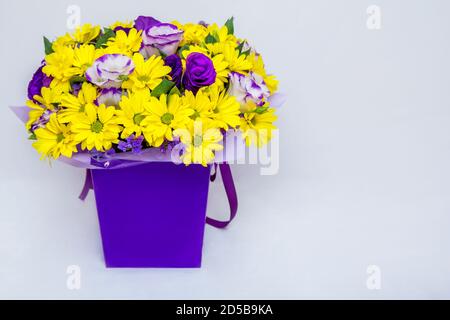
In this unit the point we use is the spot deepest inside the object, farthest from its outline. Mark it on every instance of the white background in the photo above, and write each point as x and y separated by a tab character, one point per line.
364	176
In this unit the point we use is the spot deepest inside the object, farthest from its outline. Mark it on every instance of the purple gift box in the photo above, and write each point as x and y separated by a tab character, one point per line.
152	214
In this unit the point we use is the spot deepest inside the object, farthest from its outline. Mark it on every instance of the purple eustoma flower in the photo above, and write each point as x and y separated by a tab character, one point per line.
110	70
110	97
144	23
157	37
131	143
199	73
174	62
248	88
38	81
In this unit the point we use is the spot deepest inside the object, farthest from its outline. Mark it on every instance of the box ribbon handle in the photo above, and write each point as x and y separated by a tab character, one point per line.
228	183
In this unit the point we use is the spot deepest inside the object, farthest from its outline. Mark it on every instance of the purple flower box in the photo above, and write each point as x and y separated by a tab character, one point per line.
152	214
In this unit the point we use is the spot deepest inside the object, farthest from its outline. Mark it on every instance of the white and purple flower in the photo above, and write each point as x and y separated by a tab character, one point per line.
110	70
248	88
158	38
110	97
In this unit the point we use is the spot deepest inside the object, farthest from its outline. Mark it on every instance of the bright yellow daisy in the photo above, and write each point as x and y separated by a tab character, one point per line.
236	62
124	43
165	114
133	110
86	33
147	74
200	140
193	33
226	108
49	98
84	57
224	39
200	103
257	127
258	67
127	24
59	65
96	128
54	139
75	105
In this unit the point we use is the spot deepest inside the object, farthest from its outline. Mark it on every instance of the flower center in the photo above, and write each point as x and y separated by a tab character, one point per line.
167	118
195	115
138	118
59	137
144	78
82	107
198	140
97	126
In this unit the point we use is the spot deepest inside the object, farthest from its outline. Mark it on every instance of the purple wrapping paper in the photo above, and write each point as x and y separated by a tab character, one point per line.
152	215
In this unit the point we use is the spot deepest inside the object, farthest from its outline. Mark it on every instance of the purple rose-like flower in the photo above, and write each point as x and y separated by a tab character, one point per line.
38	81
161	38
110	70
144	23
174	62
199	73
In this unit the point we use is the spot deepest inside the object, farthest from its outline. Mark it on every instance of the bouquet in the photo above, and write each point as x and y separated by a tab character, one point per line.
149	85
135	97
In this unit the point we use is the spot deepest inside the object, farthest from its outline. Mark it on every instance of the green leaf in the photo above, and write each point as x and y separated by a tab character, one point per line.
210	39
162	88
76	79
104	37
230	25
32	136
123	77
175	90
262	109
181	49
48	46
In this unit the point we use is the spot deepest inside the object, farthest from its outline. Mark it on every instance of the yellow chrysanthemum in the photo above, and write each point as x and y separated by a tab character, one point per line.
133	110
86	33
59	65
147	74
63	41
236	62
126	44
201	140
226	108
193	33
127	24
84	57
258	67
165	114
257	128
54	140
224	39
49	98
96	128
75	105
200	103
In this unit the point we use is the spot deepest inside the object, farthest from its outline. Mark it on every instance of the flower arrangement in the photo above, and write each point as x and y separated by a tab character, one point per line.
147	84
